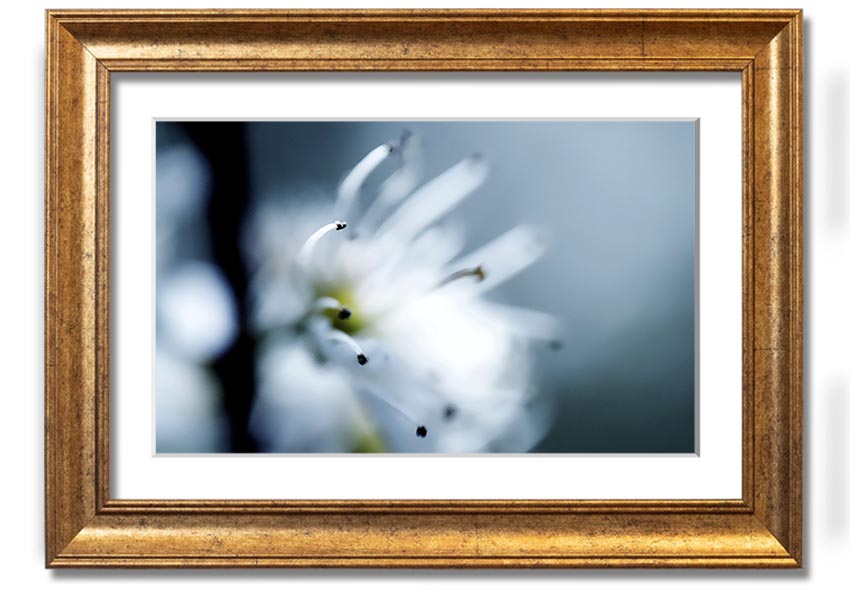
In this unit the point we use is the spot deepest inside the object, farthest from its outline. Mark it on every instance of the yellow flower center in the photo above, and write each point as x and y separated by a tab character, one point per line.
348	318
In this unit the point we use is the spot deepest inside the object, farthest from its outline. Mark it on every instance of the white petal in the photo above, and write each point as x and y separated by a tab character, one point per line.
402	182
526	322
446	332
397	186
411	270
434	199
302	406
350	187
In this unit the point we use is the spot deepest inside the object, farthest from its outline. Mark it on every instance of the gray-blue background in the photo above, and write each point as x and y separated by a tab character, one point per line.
618	201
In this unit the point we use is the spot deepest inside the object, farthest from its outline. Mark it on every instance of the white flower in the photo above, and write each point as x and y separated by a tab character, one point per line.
187	399
198	330
377	334
190	334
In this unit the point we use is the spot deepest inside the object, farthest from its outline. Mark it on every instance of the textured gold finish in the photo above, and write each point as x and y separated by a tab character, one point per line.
85	528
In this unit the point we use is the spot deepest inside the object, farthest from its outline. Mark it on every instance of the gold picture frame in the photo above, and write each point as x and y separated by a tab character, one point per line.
85	527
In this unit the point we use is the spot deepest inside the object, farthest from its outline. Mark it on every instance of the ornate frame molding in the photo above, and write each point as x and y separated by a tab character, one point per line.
86	528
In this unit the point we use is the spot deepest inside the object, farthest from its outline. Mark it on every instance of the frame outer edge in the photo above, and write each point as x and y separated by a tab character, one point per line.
49	286
796	304
778	287
71	370
80	518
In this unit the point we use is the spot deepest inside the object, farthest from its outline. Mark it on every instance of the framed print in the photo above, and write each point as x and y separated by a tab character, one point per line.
354	351
424	289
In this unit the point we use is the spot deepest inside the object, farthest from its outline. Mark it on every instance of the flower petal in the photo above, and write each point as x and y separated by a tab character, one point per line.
434	199
301	406
349	188
398	185
526	322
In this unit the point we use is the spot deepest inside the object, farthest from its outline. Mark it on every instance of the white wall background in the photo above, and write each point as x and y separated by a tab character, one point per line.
827	374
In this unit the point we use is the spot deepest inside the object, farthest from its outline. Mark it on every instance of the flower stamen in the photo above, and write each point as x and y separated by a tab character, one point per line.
477	272
377	394
335	335
305	254
326	303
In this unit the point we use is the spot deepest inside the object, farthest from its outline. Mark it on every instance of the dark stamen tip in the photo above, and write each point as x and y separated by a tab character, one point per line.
361	359
343	313
478	272
555	345
449	412
421	431
340	225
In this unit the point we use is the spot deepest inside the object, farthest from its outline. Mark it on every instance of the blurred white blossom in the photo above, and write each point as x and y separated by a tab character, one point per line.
187	414
196	310
182	189
376	333
196	318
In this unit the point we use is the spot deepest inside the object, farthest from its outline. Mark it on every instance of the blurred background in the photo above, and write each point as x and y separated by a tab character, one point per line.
616	200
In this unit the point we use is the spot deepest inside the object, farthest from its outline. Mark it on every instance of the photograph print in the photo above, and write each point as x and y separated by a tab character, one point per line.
450	287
